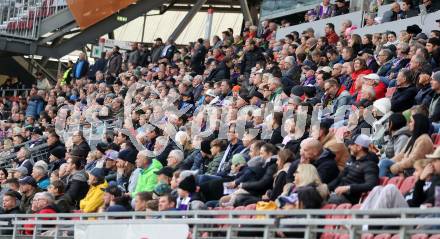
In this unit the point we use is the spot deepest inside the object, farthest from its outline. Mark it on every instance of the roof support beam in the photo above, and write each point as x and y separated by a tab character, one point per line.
188	17
246	12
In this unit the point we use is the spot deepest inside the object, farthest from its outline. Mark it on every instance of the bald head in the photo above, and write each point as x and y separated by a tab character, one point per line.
310	150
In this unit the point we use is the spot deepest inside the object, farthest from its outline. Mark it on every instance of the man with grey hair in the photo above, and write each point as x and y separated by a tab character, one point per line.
313	152
385	62
43	203
291	72
162	147
197	87
39	173
175	158
147	178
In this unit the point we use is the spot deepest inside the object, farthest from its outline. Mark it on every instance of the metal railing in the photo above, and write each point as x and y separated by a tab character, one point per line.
14	92
22	18
239	224
39	152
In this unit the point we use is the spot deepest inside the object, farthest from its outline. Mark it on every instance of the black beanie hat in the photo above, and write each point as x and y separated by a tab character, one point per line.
188	184
58	152
102	147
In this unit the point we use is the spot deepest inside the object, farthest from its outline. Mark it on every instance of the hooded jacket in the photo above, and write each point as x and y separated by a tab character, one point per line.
397	141
147	178
361	175
77	187
94	198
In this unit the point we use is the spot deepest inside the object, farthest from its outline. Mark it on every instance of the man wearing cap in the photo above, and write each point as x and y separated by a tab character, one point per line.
368	55
434	106
373	80
94	198
147	179
28	189
360	175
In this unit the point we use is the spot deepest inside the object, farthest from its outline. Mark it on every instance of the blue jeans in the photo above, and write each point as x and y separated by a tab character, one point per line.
384	168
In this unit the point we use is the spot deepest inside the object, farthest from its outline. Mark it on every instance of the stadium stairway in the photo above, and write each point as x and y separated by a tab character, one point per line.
49	30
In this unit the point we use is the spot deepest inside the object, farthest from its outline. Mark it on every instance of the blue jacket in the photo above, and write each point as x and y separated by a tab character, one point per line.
35	107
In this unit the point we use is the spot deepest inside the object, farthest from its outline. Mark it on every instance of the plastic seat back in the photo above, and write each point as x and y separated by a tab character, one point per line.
396	181
408	184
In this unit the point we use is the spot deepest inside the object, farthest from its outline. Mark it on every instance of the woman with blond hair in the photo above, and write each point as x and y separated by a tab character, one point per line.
306	176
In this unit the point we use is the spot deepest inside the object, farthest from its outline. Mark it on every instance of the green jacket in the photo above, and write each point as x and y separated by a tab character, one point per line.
214	164
147	179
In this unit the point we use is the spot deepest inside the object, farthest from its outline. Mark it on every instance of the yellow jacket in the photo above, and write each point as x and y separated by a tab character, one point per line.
94	198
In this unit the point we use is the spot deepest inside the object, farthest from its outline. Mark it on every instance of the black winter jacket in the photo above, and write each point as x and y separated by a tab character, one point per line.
250	59
361	175
403	98
265	181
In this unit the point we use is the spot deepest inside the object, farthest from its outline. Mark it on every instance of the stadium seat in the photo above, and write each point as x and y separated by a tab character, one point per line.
383	236
329	206
396	181
356	206
407	184
367	236
434	137
251	206
436	236
390	92
415	236
383	181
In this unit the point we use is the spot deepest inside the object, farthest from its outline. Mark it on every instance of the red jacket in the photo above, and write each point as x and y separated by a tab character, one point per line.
47	210
332	38
381	90
354	77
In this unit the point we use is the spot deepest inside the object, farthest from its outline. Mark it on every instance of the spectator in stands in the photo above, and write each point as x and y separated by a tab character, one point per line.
168	50
24	160
404	97
36	105
133	57
359	176
62	204
434	106
94	197
340	8
28	189
81	67
39	173
11	203
384	60
425	93
43	203
76	182
175	158
115	200
56	158
324	10
187	193
418	145
392	14
167	203
114	62
147	178
433	47
398	135
306	176
407	10
328	139
336	98
42	82
80	147
126	171
252	55
284	159
140	201
330	34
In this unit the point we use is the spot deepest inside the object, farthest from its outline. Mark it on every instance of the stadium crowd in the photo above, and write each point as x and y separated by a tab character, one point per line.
296	123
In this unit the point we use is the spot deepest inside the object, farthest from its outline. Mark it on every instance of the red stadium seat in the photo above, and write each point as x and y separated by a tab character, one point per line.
436	236
329	206
383	181
390	92
434	137
415	236
356	206
383	236
407	184
251	206
396	181
367	236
